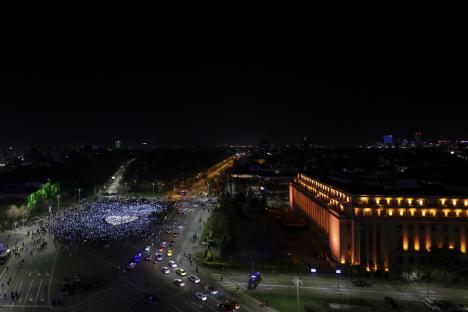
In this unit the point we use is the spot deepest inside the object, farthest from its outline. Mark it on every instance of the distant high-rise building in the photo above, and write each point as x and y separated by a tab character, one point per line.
118	144
418	139
388	139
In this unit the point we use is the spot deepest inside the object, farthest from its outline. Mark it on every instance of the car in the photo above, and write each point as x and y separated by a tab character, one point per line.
194	279
172	243
225	307
147	258
137	257
211	289
161	248
150	298
254	280
164	243
179	282
429	303
158	257
169	252
168	231
175	234
172	264
147	248
131	265
181	272
165	270
200	296
229	305
360	283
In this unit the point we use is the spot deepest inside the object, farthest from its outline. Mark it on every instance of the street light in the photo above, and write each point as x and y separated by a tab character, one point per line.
153	189
297	281
338	273
58	203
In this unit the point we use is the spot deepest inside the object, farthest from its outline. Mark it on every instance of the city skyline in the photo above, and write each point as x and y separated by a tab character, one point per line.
224	92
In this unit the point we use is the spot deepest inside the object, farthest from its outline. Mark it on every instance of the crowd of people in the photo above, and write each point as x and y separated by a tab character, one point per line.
91	223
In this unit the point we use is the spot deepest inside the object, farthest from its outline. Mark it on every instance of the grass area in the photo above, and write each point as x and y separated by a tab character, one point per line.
288	303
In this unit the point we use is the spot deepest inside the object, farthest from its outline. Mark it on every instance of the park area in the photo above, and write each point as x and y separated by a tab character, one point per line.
243	234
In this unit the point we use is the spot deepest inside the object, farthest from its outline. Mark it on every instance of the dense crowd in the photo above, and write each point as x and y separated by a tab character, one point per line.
91	223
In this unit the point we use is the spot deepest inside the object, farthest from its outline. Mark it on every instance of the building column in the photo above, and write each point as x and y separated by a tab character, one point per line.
427	237
405	236
374	245
416	237
357	242
291	197
463	238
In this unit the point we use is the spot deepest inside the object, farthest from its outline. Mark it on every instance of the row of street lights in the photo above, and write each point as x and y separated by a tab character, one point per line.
298	282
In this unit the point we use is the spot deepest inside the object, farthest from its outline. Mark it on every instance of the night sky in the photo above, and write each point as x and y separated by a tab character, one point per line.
199	90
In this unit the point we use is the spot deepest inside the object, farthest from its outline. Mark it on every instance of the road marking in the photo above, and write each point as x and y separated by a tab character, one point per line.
38	290
27	294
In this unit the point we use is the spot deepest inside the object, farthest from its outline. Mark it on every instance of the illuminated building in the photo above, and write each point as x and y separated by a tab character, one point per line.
381	232
388	139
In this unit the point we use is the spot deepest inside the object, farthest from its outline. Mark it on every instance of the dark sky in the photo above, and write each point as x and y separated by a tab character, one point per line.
200	90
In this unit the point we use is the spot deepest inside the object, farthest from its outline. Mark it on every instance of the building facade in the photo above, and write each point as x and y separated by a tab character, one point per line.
381	232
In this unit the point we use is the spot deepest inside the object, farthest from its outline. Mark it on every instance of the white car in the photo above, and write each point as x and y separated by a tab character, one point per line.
147	248
131	265
172	264
159	257
211	289
430	304
179	282
194	279
169	231
164	244
165	270
200	296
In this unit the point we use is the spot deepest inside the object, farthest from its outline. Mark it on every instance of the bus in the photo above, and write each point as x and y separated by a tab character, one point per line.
5	255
